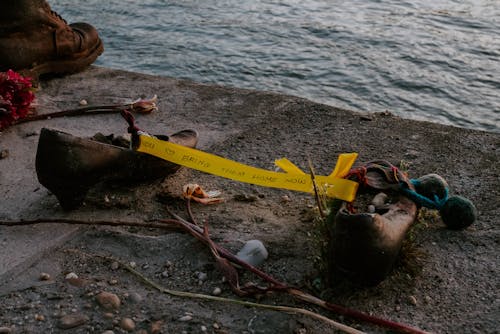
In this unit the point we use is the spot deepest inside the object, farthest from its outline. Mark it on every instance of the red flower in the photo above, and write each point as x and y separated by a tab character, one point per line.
16	95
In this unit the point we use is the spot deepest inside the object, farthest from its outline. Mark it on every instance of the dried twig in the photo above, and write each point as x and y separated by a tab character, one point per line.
90	110
321	209
287	309
143	106
167	225
277	285
198	233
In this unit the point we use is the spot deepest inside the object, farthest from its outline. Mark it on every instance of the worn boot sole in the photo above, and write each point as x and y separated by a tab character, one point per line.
68	166
78	62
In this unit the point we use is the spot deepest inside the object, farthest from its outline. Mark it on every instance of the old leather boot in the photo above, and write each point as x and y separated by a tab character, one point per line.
365	242
366	245
36	40
68	166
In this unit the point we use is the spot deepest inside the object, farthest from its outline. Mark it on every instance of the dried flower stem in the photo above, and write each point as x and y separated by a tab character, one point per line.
168	225
197	232
184	294
143	106
90	110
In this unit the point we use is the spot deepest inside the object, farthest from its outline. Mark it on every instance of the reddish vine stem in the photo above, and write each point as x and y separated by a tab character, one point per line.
188	209
170	224
197	232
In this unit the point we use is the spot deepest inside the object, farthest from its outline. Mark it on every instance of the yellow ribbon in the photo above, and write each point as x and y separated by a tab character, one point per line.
293	178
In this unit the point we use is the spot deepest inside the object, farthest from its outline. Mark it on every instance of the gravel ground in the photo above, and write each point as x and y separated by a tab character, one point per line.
62	277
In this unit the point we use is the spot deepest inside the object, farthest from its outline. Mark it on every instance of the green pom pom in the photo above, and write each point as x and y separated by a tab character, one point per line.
430	185
458	213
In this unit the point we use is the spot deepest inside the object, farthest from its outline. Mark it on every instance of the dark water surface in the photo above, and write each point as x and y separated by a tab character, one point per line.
433	60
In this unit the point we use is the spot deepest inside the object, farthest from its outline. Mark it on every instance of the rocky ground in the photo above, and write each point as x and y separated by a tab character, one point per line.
58	278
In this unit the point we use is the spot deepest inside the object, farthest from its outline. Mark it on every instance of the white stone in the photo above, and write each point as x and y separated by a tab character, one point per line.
253	253
71	275
186	318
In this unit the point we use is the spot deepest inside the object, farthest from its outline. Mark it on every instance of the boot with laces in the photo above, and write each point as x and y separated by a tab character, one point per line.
36	40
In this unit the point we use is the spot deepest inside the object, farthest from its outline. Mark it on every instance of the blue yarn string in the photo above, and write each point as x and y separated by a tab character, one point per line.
436	203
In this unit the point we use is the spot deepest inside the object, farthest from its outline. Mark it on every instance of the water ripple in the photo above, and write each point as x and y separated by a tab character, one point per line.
431	60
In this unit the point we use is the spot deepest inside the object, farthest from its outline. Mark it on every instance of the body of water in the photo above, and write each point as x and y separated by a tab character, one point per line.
433	60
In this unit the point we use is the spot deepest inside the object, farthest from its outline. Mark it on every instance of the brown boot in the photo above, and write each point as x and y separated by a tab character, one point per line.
36	40
69	166
366	245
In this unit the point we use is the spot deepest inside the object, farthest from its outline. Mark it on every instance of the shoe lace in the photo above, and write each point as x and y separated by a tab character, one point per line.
57	16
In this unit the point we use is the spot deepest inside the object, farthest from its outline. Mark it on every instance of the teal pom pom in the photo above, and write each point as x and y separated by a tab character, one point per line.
458	213
431	185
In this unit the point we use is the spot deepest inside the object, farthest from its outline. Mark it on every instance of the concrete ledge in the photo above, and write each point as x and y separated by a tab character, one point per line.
456	289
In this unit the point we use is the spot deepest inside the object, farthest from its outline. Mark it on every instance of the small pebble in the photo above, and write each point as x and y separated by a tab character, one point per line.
186	318
71	275
113	282
156	326
285	198
108	315
164	274
202	277
79	282
83	102
39	317
135	297
145	266
108	300
4	154
132	264
127	324
412	300
204	329
72	320
217	291
44	277
115	265
216	325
